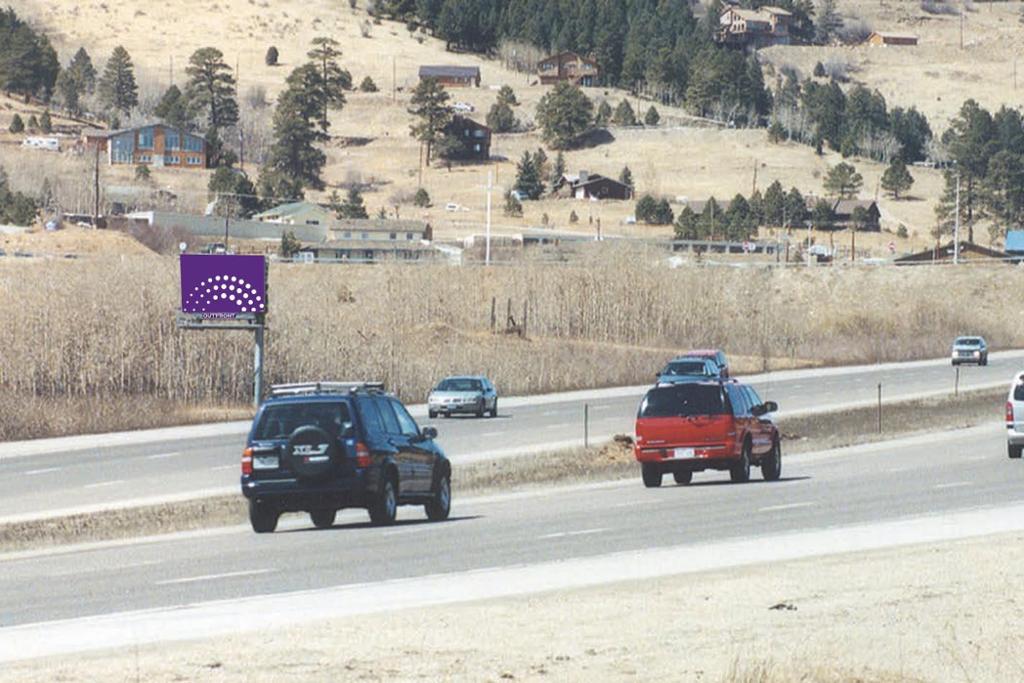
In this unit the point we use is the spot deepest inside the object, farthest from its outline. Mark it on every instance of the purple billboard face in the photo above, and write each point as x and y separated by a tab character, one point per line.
223	285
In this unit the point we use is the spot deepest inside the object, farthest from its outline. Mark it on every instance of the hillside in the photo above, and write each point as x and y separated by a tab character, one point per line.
372	143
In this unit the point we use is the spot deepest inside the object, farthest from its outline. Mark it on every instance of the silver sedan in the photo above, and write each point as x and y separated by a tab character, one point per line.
472	394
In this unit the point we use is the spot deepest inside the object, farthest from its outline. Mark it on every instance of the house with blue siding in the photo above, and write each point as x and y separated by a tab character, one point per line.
156	145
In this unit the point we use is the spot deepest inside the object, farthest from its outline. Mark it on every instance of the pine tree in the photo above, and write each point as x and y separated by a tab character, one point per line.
604	114
626	177
507	96
45	123
421	198
17	124
367	85
829	22
652	118
353	207
686	224
528	178
557	170
564	115
897	178
117	88
83	70
270	59
293	156
501	118
333	81
210	91
624	115
430	106
513	207
78	79
33	123
843	181
172	108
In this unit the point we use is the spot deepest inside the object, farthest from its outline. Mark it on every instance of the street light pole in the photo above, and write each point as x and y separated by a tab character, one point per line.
487	239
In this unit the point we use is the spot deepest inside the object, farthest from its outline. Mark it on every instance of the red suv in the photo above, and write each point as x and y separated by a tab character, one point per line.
687	428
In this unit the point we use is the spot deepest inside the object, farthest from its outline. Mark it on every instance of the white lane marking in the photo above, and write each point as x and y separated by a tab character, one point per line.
103	483
418	527
894	470
223	467
492	433
549	413
581	532
977	458
32	473
213	577
159	456
787	506
953	484
637	504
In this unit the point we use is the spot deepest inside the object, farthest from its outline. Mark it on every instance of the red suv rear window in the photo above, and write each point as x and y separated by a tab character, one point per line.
684	400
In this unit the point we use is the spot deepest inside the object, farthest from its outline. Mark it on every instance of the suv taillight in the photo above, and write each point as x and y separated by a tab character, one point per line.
362	455
1009	413
247	461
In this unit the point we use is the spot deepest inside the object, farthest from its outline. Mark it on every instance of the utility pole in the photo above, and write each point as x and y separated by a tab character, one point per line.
241	150
394	81
754	189
961	26
956	224
226	213
96	188
487	241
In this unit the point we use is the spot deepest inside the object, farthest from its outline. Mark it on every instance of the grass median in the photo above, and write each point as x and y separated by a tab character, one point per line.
613	460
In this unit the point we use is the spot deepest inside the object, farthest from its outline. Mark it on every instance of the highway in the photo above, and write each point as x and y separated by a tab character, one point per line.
73	476
935	474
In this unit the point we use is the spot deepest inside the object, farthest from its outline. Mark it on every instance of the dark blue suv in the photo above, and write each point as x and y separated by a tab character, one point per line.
324	446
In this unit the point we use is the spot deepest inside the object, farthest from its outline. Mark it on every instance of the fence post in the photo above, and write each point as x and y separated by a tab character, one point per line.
879	407
586	425
956	384
494	320
526	312
508	314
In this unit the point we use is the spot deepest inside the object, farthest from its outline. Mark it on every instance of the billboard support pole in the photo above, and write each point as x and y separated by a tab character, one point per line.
257	366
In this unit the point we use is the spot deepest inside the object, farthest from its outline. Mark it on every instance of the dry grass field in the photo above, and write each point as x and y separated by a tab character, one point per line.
103	329
672	160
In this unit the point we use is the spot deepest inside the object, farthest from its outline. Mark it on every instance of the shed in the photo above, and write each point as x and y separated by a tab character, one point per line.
457	76
880	38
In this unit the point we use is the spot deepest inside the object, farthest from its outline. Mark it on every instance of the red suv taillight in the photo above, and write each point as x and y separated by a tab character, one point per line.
1009	413
362	455
247	461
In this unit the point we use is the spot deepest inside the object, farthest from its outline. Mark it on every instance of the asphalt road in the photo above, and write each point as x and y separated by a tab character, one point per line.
57	482
935	474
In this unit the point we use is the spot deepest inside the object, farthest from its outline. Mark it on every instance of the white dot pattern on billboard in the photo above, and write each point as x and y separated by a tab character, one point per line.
223	289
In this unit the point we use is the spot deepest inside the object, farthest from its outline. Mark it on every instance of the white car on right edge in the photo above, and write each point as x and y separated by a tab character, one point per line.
1015	417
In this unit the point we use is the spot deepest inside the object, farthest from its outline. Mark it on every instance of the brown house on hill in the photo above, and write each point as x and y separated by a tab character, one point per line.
155	145
452	76
842	212
879	38
568	66
753	29
474	139
591	186
969	252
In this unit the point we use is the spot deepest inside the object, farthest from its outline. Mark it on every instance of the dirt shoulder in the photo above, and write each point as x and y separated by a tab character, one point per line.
944	612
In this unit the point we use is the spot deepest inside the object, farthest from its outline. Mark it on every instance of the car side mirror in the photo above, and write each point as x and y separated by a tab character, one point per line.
770	406
428	433
758	411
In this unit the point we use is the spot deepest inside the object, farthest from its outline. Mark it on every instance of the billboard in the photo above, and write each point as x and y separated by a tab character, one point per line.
223	285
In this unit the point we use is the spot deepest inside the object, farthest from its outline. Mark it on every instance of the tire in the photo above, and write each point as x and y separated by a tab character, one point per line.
384	506
1014	451
494	410
432	414
263	517
771	466
480	408
312	453
441	504
740	472
323	519
683	477
984	360
650	474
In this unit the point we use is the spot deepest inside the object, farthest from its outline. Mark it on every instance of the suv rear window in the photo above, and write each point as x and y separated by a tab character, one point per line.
279	421
1018	391
684	400
685	367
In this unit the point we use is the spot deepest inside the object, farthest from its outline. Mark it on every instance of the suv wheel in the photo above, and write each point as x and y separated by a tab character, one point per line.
441	504
651	475
1014	451
432	414
480	408
263	517
494	410
771	466
683	476
740	472
322	519
384	506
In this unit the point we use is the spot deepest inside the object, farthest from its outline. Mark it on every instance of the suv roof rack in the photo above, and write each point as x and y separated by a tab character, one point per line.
300	388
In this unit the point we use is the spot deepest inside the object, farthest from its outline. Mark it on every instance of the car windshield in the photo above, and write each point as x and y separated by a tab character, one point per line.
685	367
968	341
279	421
459	384
684	400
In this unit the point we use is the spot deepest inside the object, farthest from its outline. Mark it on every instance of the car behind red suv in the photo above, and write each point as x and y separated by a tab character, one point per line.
687	428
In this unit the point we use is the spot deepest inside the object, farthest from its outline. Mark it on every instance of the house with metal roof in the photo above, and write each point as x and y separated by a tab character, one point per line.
296	213
454	76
